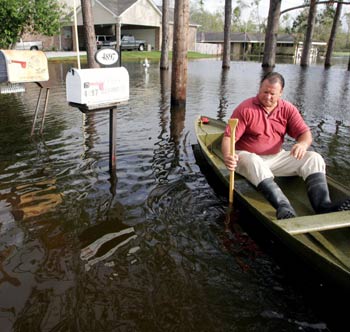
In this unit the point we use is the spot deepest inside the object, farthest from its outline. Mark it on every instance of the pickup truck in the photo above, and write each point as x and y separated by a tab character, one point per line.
130	43
105	41
28	45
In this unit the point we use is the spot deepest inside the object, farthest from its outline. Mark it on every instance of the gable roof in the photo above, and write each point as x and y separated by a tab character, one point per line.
117	7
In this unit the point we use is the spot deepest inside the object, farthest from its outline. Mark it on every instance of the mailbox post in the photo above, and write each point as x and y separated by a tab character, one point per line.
96	89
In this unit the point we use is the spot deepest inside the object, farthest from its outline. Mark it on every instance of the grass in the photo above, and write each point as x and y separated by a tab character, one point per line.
341	53
136	55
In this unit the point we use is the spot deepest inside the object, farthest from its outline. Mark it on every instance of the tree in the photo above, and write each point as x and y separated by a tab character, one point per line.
164	60
285	24
323	23
237	18
300	23
271	34
226	57
305	55
207	21
89	33
332	36
180	47
322	27
28	16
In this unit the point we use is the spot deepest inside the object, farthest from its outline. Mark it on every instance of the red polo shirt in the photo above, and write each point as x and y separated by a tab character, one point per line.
263	133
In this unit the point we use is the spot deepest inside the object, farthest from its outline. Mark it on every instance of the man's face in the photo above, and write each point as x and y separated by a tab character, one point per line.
269	93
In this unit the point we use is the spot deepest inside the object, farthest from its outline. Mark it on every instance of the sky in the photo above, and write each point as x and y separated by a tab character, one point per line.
214	5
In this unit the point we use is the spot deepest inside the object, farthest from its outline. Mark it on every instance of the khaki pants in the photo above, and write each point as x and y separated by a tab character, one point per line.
257	168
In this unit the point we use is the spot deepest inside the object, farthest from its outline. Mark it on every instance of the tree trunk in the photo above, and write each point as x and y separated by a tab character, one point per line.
89	33
180	46
164	59
332	36
226	57
305	56
349	64
269	58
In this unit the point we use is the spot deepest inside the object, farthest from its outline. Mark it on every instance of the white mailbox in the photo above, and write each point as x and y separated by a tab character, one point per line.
97	87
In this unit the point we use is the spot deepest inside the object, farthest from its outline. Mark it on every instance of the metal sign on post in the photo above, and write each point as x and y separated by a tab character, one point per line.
107	56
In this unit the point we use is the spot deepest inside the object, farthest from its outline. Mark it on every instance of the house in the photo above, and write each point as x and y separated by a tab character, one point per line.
246	43
140	18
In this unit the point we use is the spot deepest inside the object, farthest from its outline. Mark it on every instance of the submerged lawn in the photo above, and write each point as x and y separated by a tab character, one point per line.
137	55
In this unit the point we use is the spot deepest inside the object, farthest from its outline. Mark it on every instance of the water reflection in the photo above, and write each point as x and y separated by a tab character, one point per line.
299	96
344	92
101	241
223	93
35	199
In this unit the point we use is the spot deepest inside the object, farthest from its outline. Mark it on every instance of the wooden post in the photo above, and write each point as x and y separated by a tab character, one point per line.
112	138
112	148
180	47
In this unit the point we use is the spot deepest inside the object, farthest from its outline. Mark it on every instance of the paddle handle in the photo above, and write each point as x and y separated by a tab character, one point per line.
233	124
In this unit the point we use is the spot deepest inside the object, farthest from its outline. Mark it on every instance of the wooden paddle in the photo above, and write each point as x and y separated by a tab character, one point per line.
230	216
233	124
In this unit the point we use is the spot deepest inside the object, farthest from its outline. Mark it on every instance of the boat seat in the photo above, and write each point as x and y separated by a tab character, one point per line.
315	223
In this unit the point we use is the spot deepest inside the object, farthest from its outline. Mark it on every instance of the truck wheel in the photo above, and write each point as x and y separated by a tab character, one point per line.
34	48
141	47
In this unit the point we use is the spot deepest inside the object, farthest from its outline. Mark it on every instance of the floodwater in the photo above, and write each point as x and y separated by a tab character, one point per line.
144	248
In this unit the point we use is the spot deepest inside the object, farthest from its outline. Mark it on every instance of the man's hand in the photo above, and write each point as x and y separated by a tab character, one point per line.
298	150
231	162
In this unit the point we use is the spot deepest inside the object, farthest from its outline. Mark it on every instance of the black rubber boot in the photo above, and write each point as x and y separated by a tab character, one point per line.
276	197
317	190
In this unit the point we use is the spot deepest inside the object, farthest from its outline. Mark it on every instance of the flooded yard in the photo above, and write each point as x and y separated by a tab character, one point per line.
144	248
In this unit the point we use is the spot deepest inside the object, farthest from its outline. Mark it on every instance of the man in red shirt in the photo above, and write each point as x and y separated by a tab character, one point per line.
264	121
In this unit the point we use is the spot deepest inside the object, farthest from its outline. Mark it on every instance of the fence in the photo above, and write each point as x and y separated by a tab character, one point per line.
206	48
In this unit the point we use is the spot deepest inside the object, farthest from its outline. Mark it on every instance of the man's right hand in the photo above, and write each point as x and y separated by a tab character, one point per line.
231	161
